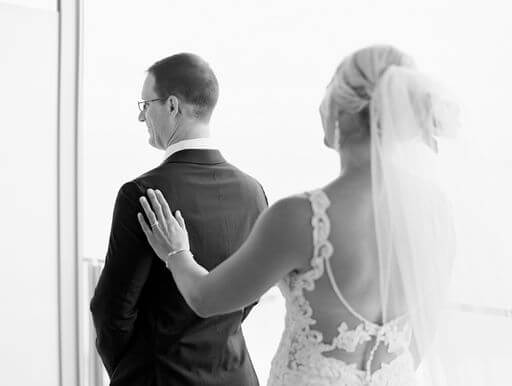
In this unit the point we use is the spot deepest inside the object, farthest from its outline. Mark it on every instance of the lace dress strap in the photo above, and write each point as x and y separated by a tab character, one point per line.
319	221
323	247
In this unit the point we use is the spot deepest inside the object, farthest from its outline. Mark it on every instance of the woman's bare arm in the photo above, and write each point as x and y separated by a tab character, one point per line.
279	243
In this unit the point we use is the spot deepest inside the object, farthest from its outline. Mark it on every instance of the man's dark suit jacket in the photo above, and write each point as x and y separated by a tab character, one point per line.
146	333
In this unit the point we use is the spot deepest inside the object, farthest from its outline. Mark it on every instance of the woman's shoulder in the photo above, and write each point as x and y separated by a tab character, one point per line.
295	207
291	216
287	227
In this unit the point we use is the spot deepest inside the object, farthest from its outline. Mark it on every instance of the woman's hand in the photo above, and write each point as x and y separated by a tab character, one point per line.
165	232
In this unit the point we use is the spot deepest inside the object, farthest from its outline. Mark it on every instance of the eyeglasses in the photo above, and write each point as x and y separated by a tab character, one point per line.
143	105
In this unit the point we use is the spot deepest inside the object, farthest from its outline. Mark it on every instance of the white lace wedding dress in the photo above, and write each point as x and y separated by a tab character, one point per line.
300	359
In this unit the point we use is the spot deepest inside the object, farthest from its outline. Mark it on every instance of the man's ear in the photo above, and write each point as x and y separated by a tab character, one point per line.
174	105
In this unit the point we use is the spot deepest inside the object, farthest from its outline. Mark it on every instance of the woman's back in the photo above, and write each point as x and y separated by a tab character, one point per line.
334	321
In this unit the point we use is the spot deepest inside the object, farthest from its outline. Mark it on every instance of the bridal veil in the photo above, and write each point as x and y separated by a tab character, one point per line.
410	116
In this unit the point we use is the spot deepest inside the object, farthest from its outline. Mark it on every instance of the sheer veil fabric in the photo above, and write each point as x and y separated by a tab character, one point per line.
409	116
414	222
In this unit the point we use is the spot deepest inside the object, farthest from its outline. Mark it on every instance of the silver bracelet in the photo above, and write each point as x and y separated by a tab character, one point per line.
172	254
177	251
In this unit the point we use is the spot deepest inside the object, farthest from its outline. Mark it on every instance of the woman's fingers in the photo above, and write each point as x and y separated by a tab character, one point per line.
180	220
142	222
165	206
149	212
157	208
171	235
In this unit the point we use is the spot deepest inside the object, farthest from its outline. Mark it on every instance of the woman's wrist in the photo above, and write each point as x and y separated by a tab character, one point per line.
175	254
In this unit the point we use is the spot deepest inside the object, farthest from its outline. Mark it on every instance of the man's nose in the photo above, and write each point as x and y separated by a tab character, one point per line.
142	117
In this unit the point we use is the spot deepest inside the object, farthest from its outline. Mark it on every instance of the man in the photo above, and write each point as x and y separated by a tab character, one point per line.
146	333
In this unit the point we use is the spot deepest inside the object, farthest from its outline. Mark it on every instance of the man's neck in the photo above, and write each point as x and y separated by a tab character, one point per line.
197	130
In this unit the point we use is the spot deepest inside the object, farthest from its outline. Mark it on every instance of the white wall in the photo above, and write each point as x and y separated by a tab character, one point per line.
28	185
50	5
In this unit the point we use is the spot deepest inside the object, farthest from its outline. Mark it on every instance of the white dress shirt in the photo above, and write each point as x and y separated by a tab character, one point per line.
195	143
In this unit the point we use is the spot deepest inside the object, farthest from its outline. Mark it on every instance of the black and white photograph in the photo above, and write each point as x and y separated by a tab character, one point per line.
256	193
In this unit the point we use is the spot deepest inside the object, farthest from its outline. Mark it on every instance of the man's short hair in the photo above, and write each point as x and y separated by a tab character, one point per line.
188	77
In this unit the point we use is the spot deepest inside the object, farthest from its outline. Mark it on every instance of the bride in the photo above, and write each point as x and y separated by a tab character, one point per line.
364	262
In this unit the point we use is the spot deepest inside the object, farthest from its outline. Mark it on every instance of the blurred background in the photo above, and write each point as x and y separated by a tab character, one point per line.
72	71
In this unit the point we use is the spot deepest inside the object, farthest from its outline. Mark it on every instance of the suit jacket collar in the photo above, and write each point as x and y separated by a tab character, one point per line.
196	156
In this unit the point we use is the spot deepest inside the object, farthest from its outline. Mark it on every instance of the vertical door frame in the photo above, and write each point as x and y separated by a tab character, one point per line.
68	188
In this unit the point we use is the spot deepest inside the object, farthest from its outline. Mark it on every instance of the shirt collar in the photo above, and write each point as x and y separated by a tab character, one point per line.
195	143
